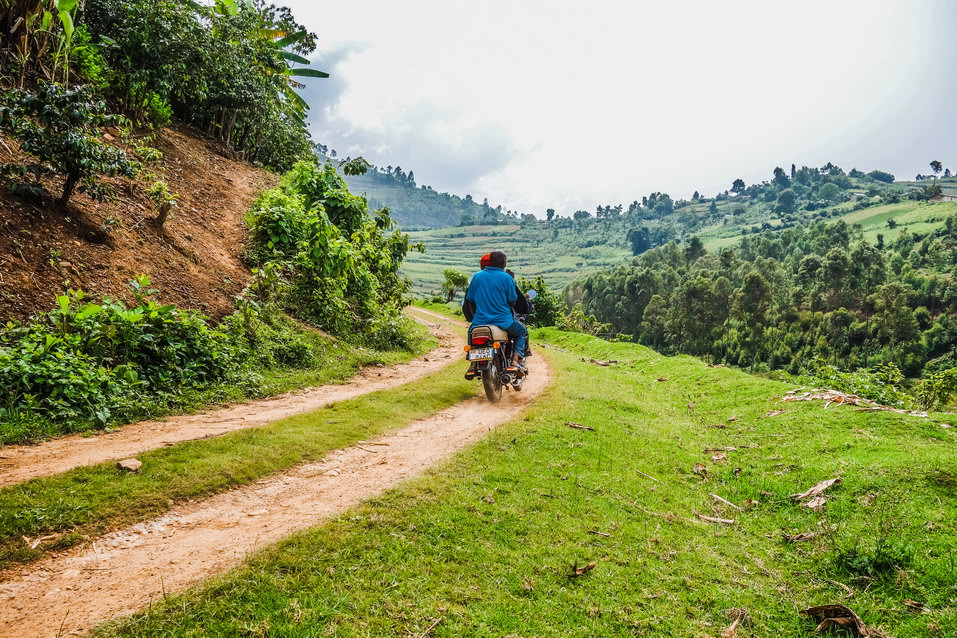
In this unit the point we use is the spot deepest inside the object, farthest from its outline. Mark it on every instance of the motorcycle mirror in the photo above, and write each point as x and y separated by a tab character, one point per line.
531	294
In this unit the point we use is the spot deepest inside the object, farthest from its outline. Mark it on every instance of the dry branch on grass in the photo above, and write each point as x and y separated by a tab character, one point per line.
580	571
843	398
578	426
841	617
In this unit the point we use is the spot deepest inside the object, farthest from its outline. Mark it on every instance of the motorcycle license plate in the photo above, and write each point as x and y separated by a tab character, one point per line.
481	354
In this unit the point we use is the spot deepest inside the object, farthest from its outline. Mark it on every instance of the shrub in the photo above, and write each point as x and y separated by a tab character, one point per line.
60	128
343	259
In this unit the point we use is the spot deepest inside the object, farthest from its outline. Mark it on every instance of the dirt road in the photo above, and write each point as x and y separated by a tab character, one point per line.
123	572
20	463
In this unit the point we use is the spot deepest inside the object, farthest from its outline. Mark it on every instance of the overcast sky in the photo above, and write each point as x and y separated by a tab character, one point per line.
543	103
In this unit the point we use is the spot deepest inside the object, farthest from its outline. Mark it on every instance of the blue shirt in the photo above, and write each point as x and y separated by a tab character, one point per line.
492	290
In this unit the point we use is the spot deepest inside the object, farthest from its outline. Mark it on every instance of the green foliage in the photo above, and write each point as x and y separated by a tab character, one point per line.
165	200
92	363
343	259
60	128
937	390
455	282
781	299
576	320
548	305
228	68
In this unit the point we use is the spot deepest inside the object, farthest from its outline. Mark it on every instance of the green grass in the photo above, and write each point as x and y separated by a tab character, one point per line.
91	500
919	217
485	544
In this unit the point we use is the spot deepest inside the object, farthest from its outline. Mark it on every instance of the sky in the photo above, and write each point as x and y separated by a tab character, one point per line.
569	105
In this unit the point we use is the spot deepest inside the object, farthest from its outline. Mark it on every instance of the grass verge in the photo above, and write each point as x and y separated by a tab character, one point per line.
486	544
89	501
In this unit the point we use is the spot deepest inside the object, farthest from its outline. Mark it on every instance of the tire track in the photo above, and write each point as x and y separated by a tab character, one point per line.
127	570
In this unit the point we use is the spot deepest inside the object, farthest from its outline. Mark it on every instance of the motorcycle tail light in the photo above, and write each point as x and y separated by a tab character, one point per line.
479	341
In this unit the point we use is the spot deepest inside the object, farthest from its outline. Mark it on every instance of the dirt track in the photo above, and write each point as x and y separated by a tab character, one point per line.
126	570
20	463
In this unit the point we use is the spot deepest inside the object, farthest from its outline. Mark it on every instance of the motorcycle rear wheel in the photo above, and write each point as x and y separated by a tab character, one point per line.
492	381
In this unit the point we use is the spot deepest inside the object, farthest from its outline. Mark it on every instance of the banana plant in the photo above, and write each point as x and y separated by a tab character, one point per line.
281	43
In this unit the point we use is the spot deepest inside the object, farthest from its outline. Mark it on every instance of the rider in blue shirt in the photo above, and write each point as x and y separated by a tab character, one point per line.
493	291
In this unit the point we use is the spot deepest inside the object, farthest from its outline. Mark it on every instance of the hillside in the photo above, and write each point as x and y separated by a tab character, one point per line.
566	247
99	246
558	254
418	207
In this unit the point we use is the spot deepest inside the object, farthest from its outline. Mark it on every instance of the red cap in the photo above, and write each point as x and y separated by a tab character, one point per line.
486	260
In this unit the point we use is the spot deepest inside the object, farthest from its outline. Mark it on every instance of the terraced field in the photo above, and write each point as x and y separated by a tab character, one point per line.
531	251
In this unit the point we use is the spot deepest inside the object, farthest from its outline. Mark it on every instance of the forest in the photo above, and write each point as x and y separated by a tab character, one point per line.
783	299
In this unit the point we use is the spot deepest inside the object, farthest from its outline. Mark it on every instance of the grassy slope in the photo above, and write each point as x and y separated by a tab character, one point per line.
90	500
484	544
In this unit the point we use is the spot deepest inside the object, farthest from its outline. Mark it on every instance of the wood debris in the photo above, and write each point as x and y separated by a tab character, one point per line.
732	419
580	571
841	617
700	469
714	519
597	533
719	457
818	503
771	414
917	606
726	502
661	379
648	476
816	490
578	426
843	398
599	362
738	617
800	537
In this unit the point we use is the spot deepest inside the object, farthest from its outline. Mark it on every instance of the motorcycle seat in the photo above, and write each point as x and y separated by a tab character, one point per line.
493	332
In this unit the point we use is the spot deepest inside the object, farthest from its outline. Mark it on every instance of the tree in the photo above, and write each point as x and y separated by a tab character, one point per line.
61	127
781	178
694	250
937	167
640	240
581	214
454	282
787	198
550	214
738	186
829	192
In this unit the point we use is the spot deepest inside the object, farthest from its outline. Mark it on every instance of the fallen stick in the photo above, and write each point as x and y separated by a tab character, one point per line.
365	449
726	502
648	476
578	426
713	519
430	628
597	533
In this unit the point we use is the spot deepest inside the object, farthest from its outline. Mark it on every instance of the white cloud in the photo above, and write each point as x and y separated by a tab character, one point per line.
543	103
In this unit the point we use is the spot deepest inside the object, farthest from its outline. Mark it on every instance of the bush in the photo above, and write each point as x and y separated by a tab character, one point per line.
60	128
343	259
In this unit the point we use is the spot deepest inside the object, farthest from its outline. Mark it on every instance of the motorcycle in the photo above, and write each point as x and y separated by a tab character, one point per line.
489	350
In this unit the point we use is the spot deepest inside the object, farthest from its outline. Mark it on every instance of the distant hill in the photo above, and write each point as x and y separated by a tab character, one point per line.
415	207
566	247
